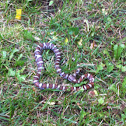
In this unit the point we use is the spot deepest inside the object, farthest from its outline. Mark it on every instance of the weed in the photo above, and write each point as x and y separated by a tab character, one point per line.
93	32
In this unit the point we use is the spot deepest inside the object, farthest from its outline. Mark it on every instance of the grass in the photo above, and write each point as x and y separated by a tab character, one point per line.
92	32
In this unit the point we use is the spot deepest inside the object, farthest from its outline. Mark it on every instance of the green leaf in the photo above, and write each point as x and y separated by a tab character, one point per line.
118	49
20	77
110	67
109	20
124	84
21	71
82	114
113	88
50	3
107	53
101	101
124	69
121	67
12	53
20	62
73	30
115	51
122	46
11	72
123	117
4	55
100	67
20	56
27	35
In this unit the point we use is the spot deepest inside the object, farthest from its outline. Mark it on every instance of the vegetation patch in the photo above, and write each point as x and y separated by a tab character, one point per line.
93	32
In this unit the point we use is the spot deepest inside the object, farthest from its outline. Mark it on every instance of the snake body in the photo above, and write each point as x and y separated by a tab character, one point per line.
70	77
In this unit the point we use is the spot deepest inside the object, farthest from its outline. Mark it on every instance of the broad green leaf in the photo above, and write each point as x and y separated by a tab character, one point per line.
124	84
100	67
20	56
11	72
20	77
82	89
122	46
20	62
73	30
118	49
113	88
110	67
115	51
123	117
107	53
21	71
27	35
101	101
12	53
109	20
51	3
4	54
82	114
121	67
124	69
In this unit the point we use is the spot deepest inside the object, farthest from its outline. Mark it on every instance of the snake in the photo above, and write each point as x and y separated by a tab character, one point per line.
70	77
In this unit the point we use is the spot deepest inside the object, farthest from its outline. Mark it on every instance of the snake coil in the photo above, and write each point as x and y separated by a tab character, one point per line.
70	77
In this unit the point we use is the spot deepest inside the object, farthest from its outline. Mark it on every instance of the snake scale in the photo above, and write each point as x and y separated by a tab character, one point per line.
70	77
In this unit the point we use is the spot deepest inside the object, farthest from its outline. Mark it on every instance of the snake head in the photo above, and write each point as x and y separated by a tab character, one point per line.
72	78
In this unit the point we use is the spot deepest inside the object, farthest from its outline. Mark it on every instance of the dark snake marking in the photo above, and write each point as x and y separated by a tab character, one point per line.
70	77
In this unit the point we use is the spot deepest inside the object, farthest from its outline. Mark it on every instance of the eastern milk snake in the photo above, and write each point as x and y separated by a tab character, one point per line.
70	77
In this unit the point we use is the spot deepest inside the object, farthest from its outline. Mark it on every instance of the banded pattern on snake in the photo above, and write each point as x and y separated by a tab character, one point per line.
70	77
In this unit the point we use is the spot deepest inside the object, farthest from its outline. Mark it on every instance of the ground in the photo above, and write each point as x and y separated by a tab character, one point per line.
93	32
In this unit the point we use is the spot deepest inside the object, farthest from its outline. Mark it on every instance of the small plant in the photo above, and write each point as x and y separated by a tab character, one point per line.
17	74
93	32
124	85
110	67
118	50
